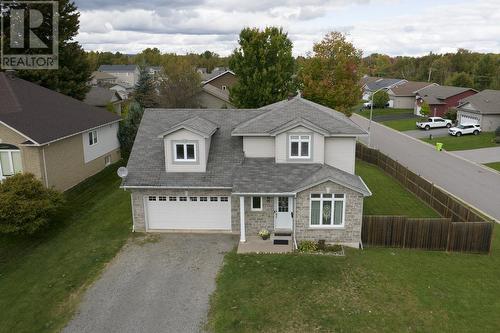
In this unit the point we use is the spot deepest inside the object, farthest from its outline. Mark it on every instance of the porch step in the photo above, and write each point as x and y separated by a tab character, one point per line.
281	237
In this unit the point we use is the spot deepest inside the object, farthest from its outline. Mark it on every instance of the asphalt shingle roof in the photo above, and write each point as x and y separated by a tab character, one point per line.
226	165
44	115
281	113
380	83
441	92
117	68
485	102
196	124
100	96
409	88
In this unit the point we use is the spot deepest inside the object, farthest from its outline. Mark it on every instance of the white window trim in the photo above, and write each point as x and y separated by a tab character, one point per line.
252	208
11	162
299	140
186	159
321	200
93	134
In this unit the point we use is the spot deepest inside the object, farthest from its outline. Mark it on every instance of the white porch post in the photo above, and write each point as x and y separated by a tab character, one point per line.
242	219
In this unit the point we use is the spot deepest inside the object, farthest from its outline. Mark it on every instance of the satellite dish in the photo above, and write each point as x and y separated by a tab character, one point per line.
122	172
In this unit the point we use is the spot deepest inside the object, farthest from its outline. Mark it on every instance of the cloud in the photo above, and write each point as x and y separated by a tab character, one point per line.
384	26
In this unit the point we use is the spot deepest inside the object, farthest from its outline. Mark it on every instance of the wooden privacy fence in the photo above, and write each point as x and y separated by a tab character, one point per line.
444	203
431	234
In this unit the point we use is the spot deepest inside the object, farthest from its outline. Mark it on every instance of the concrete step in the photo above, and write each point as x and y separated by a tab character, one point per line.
281	237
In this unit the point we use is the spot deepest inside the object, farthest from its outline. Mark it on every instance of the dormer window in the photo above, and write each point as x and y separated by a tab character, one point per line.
300	146
185	152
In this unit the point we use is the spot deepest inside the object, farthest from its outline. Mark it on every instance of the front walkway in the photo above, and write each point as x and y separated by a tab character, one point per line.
160	283
255	244
482	155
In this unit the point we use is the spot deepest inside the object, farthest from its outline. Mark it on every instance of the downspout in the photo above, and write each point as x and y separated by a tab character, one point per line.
293	222
45	168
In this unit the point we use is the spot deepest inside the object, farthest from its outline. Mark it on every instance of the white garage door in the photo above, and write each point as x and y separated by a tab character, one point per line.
466	119
189	213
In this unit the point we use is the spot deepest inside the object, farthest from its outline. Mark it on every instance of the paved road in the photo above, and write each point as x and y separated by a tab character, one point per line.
160	286
483	155
419	134
475	184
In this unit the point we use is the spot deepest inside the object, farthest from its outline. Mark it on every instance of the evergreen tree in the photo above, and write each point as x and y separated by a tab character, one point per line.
264	66
74	70
145	93
128	129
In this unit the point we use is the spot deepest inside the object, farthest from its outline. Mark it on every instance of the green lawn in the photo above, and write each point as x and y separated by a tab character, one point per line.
389	197
42	277
465	142
403	124
374	290
495	165
381	112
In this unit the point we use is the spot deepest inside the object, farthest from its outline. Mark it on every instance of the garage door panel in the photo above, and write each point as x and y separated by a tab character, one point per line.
186	215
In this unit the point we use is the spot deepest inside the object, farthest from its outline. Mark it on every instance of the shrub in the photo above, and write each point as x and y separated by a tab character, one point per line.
425	109
451	114
380	99
26	204
307	246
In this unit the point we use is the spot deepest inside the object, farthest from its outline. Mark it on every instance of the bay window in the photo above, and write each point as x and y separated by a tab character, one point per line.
299	146
327	210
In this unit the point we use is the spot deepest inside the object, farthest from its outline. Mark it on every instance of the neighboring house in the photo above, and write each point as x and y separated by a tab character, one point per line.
441	98
215	89
403	95
125	74
371	84
287	167
102	79
61	140
103	98
154	71
482	108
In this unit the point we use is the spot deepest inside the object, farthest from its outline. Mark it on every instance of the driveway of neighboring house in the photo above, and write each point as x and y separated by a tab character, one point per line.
467	180
482	155
157	283
420	134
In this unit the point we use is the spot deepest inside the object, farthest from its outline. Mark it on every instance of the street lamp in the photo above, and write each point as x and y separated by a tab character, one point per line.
371	116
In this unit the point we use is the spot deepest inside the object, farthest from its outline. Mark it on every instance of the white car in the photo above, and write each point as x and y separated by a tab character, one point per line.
465	129
434	122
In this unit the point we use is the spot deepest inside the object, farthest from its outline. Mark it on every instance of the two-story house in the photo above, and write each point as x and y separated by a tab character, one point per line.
287	167
59	139
215	87
127	75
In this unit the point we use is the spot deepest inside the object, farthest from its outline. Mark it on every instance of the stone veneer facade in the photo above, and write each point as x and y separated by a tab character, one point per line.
350	234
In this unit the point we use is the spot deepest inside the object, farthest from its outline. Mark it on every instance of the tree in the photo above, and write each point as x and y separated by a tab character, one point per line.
264	65
74	71
128	128
483	74
26	204
425	109
380	99
460	80
331	76
180	85
145	93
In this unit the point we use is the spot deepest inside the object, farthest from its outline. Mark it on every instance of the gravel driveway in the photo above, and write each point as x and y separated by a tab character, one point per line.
157	283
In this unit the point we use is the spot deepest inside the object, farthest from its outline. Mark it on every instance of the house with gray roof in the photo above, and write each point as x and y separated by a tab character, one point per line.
403	95
127	75
287	167
105	98
482	108
59	139
441	98
215	88
372	84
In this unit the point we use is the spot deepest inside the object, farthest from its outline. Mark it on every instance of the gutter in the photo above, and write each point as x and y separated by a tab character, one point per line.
45	168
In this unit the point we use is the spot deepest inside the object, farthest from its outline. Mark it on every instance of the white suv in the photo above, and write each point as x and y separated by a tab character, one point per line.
465	129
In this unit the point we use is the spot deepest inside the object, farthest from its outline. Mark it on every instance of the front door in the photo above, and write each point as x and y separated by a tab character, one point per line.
283	207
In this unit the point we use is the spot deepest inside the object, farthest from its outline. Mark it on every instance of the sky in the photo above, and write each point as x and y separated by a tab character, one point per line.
393	27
